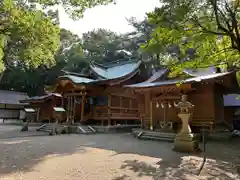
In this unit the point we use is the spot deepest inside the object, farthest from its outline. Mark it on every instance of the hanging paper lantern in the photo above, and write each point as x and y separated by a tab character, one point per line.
175	104
162	105
157	105
169	105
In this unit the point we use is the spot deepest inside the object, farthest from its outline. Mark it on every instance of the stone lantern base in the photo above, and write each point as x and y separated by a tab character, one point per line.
185	140
185	143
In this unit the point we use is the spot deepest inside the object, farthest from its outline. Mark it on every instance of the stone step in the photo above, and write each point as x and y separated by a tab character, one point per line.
85	130
48	127
161	138
154	135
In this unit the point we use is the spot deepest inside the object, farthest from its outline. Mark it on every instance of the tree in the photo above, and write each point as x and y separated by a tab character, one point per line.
103	46
32	80
26	36
210	28
28	31
141	36
75	8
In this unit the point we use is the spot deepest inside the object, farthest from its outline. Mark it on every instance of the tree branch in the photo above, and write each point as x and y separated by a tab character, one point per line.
215	9
206	30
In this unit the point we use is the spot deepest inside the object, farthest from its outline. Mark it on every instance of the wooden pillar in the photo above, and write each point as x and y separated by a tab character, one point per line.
147	101
68	109
38	113
130	103
82	106
62	101
74	107
165	109
109	110
121	105
151	115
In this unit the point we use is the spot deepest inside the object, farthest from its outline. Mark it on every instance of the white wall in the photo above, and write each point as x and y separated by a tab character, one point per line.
11	114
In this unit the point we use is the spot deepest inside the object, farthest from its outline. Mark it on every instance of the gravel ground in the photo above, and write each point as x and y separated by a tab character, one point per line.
11	131
110	157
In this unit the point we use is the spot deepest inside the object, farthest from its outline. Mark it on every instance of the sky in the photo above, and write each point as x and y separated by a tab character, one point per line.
111	17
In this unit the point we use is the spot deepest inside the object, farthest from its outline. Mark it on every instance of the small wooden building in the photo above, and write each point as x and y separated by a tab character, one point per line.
101	98
10	107
44	106
205	89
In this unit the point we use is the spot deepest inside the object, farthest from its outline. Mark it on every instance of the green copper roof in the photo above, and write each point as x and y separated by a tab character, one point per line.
117	71
77	80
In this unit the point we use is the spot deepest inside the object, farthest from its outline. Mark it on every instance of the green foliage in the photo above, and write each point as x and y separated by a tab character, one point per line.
103	46
74	55
33	50
209	27
75	8
27	36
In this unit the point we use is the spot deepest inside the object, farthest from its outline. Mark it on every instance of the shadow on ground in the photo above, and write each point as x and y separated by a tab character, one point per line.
24	153
21	155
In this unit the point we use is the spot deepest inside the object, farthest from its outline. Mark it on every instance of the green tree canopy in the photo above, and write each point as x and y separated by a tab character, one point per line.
29	34
204	32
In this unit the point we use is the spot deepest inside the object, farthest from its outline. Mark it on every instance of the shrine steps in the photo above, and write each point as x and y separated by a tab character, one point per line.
45	128
84	129
48	128
153	135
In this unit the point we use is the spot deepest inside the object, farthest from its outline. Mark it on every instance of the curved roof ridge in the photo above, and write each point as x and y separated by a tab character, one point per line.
75	74
114	63
117	71
200	71
175	81
77	79
158	74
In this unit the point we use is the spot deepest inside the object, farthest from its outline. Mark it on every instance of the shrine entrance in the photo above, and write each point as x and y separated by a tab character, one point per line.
164	113
75	106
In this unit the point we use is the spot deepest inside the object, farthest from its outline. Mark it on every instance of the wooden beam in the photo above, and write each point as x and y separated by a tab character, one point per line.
166	88
124	95
73	94
166	97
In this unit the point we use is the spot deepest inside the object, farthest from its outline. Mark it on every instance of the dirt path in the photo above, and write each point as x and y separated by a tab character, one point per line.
109	157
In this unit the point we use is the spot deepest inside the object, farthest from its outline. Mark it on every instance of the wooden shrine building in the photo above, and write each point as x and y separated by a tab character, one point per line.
44	106
100	98
205	89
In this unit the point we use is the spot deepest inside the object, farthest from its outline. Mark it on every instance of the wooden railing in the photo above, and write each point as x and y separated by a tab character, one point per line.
203	121
101	112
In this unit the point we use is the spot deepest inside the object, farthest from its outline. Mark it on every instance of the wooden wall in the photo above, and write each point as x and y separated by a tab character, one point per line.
208	108
46	111
229	114
122	106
